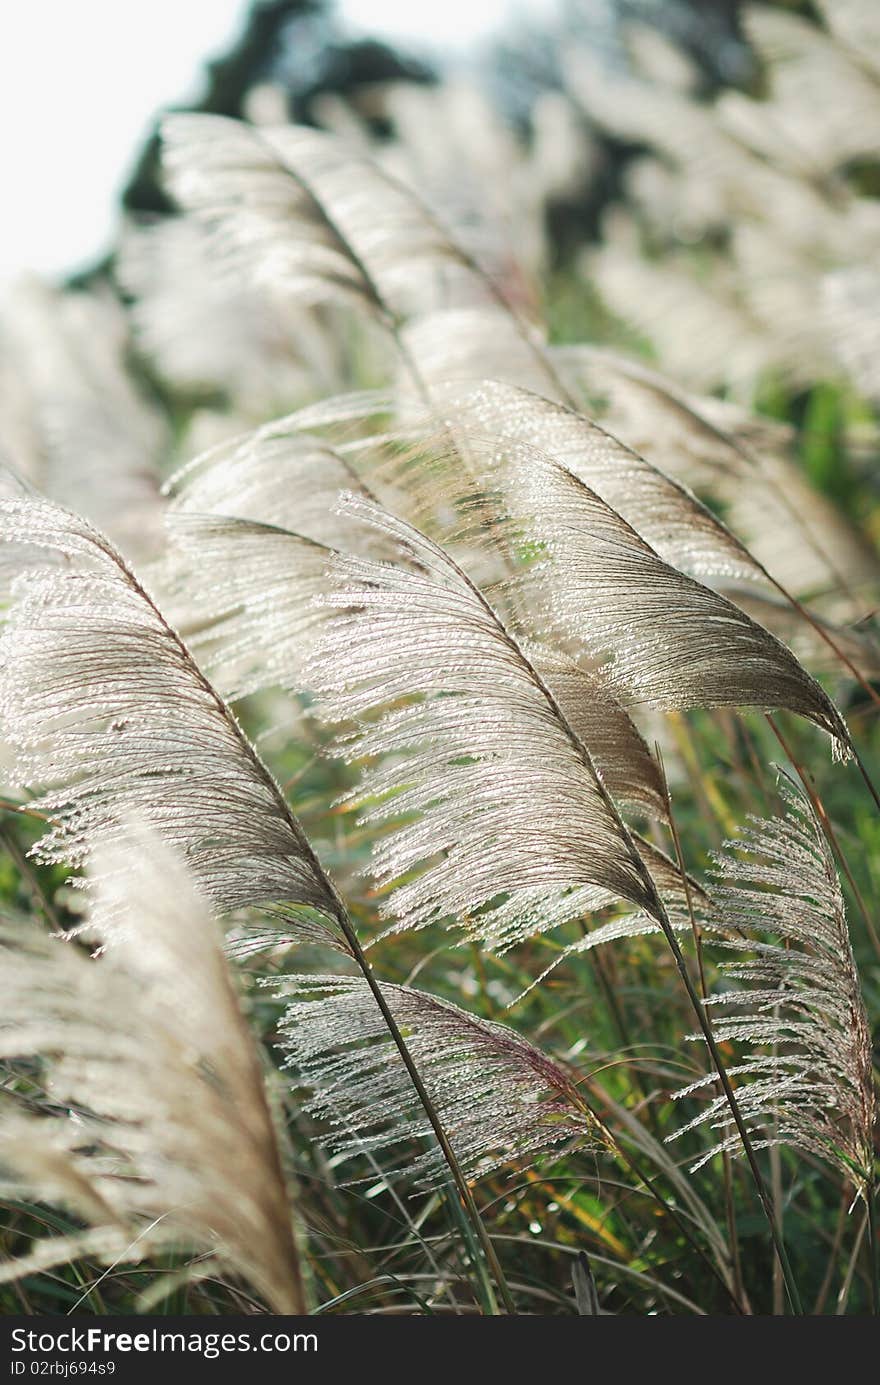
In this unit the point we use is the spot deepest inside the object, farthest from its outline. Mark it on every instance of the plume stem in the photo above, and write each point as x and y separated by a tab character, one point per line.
29	874
551	374
817	626
455	1169
726	1162
658	909
706	1029
873	1247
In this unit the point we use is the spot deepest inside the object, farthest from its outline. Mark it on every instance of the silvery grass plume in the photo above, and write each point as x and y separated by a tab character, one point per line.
472	168
290	472
856	25
661	510
163	1137
501	1099
788	532
104	704
263	221
674	311
810	138
680	529
778	176
296	207
301	210
823	646
88	437
517	827
806	543
476	341
250	595
285	473
120	719
665	512
794	999
672	642
743	464
253	590
851	308
252	526
206	333
249	584
260	594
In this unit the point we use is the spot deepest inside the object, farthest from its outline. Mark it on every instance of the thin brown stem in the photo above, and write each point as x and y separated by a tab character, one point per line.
726	1163
30	876
833	1257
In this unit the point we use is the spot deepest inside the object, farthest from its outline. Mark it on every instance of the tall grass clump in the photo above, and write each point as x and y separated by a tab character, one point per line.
440	751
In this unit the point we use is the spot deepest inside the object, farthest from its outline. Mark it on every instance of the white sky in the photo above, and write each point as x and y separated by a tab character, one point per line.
80	81
453	23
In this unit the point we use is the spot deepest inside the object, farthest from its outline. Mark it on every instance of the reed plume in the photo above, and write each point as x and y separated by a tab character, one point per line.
163	1136
793	997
